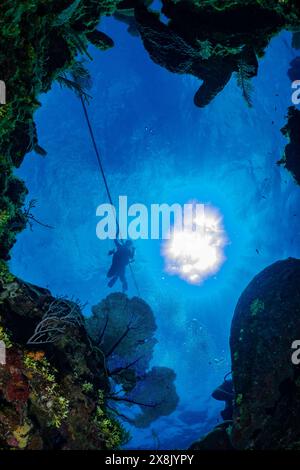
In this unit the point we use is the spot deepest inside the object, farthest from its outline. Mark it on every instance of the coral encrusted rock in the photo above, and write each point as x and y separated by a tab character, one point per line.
267	384
39	39
53	379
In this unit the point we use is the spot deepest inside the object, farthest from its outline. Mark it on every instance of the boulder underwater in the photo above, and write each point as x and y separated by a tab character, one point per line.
266	382
61	374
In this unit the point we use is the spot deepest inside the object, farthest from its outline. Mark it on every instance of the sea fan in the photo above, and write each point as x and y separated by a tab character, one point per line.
79	40
244	74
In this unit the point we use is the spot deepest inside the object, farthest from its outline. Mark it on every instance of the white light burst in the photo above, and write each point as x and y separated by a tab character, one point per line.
197	252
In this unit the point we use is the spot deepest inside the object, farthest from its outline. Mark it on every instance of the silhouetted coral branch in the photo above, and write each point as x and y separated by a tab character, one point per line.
30	217
60	314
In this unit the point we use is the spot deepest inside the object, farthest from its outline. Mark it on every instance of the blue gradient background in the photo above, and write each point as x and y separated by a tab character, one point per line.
158	147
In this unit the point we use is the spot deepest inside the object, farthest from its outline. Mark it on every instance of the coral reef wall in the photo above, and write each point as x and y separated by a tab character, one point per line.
291	157
51	392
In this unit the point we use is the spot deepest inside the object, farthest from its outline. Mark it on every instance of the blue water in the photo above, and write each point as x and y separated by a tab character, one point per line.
158	147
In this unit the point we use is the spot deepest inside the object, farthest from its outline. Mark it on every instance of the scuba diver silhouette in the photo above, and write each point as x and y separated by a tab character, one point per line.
225	392
122	256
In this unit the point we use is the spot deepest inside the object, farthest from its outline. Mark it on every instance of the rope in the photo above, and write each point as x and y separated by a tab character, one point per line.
104	179
97	154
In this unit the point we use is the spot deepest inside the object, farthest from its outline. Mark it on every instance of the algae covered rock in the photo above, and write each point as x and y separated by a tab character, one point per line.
53	380
124	329
267	384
